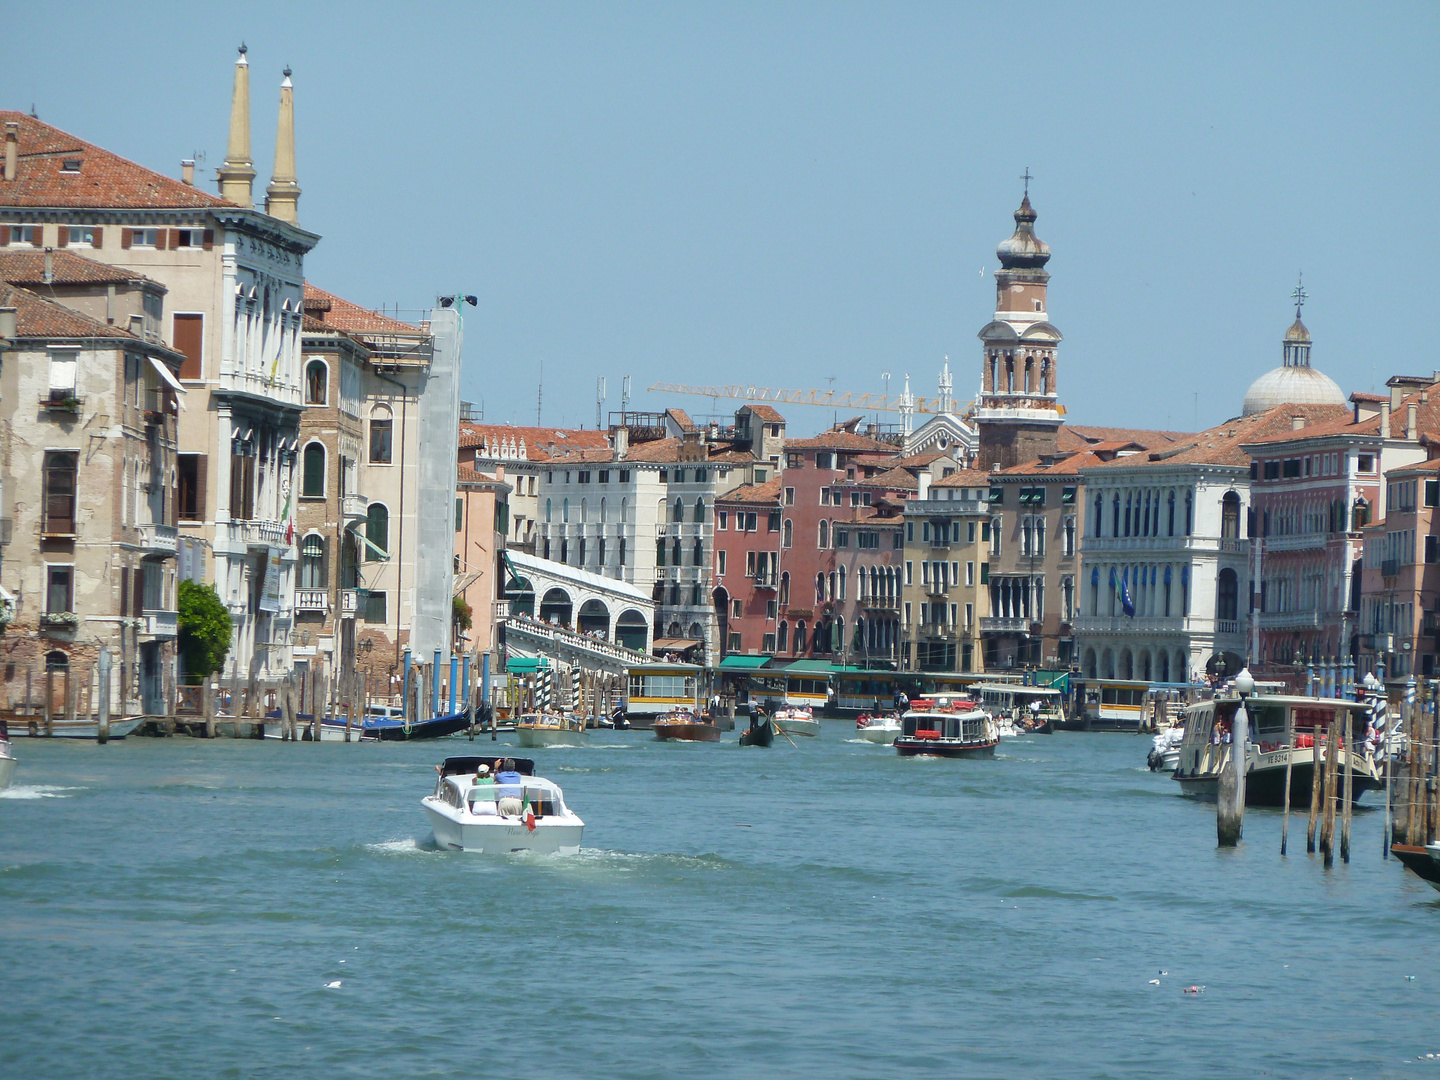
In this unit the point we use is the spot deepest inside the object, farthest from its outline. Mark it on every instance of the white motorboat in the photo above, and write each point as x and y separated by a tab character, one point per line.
942	725
79	728
550	729
1164	755
793	721
330	731
877	729
496	818
7	758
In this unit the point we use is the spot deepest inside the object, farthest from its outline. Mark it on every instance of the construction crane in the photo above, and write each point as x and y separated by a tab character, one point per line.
901	403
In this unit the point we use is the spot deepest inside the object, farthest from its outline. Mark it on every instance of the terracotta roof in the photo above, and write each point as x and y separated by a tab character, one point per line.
1420	468
541	443
103	180
839	440
331	312
918	461
964	478
768	492
1377	398
1086	435
766	413
26	266
682	419
36	317
896	479
1223	444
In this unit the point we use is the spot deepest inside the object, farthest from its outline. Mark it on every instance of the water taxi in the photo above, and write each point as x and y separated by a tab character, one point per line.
685	725
495	818
1033	709
879	728
7	757
945	726
1281	730
796	721
550	729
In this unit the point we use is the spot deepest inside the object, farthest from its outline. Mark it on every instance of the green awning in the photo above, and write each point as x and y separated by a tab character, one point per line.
735	662
526	665
516	582
809	667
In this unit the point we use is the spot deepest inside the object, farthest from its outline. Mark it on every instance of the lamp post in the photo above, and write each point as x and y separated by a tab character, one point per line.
1230	803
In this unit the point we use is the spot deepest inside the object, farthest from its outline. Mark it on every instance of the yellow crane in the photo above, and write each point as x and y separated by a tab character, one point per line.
901	403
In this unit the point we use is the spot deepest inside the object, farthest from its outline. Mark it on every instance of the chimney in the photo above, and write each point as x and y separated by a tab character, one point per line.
7	324
48	274
238	172
1297	422
1412	420
1385	420
1396	396
282	197
12	149
924	492
622	443
187	172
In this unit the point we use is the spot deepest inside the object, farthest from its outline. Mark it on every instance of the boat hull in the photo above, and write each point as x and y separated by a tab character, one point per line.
436	728
685	732
951	748
328	732
797	726
501	836
1421	861
7	770
1266	786
881	735
762	734
548	736
34	727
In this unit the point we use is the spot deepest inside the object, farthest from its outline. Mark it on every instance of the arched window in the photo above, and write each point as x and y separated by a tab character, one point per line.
788	532
565	510
549	509
381	432
678	511
317	378
1171	527
800	636
377	532
785	588
1230	516
841	593
602	512
312	482
675	551
699	552
1115	515
782	640
312	562
622	551
699	510
584	512
819	588
624	510
1227	594
1189	512
824	534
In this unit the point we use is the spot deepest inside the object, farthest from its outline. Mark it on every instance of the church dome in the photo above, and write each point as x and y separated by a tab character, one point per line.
1293	385
1297	334
1024	250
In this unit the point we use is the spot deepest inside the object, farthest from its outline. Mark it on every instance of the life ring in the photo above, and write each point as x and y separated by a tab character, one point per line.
34	729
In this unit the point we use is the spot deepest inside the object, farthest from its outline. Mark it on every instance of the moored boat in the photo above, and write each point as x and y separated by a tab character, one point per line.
1424	862
1164	753
34	727
550	729
1033	710
7	758
397	728
471	812
878	728
684	725
796	721
1281	729
944	726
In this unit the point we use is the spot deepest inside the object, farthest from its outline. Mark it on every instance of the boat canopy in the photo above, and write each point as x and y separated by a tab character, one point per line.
456	765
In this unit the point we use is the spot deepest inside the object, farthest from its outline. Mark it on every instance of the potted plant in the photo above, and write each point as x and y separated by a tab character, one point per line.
60	620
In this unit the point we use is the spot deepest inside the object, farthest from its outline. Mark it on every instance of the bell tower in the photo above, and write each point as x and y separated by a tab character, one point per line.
1018	414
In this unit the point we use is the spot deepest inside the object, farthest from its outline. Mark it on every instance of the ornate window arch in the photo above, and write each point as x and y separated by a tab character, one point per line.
317	381
312	471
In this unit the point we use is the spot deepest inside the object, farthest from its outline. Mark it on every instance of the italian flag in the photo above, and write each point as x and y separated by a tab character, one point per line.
528	814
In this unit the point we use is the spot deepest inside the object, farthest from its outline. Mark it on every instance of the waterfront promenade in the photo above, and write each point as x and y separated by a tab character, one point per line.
174	908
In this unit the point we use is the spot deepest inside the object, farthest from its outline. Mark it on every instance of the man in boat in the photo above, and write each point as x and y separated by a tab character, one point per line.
507	773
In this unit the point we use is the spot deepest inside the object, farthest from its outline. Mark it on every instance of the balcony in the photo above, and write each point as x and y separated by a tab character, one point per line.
1390	568
354	509
254	533
258	385
312	600
1297	620
999	624
158	539
161	624
764	581
349	603
59	620
1273	545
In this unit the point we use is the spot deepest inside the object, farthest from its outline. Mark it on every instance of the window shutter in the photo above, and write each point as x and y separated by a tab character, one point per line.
125	237
187	339
124	591
209	239
39	240
201	461
62	235
137	592
99	234
4	235
174	239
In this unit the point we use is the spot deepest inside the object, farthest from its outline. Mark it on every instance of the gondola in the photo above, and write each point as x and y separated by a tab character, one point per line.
758	734
396	729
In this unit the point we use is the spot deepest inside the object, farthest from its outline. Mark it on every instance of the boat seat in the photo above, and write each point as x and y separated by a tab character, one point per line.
510	806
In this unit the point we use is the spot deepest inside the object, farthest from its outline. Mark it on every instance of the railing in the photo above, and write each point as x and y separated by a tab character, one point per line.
159	538
354	507
1004	624
1293	620
312	600
1234	544
1303	542
162	623
349	603
256	532
561	635
259	385
764	581
1227	628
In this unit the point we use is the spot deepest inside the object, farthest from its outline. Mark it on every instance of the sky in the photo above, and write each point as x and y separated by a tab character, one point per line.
810	195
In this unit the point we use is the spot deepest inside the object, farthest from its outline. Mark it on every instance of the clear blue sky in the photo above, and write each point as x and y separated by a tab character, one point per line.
780	194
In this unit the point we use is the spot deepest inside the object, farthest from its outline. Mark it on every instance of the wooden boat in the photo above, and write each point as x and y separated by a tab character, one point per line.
34	727
550	729
1281	729
683	725
759	733
495	818
944	726
1424	862
398	729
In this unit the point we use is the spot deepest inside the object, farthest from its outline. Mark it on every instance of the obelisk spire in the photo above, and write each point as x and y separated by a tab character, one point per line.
282	197
238	172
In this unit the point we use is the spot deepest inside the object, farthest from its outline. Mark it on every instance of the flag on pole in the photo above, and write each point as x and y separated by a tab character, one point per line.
1127	604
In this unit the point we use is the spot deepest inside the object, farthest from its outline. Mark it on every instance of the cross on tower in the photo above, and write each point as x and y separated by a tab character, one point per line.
1299	295
1027	178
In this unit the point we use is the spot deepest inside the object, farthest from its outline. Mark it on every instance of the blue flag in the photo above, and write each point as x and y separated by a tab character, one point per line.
1127	605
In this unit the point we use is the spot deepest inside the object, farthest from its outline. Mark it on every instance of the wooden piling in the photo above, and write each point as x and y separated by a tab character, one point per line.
1348	791
1285	818
207	706
49	701
1413	829
1317	782
1327	823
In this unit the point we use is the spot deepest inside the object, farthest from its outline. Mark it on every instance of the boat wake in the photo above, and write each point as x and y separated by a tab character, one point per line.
37	791
407	846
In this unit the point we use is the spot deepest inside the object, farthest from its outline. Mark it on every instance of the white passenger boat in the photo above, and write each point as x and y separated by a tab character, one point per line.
944	726
1281	729
1165	752
7	758
1023	709
550	729
496	818
878	729
791	721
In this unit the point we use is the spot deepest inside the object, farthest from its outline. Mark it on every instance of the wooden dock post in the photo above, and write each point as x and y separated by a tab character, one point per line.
1413	760
102	681
207	706
1348	791
1327	820
49	701
1285	819
1317	782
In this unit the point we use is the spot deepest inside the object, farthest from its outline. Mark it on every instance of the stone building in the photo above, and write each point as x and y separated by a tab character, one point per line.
749	588
88	410
482	523
944	595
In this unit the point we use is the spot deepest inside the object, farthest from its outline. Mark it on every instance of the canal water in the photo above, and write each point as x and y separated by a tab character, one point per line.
177	908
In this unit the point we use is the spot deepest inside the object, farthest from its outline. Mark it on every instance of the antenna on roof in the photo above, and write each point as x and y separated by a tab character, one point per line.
33	114
625	394
540	392
599	399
